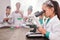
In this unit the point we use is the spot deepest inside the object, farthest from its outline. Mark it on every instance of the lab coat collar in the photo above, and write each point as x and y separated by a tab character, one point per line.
52	19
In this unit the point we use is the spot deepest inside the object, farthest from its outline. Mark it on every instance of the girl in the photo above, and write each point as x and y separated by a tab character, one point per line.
52	28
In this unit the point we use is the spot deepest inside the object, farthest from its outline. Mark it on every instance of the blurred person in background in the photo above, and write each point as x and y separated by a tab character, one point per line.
17	15
6	19
29	13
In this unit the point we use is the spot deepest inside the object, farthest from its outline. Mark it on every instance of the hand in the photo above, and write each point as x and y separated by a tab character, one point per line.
6	19
41	30
25	18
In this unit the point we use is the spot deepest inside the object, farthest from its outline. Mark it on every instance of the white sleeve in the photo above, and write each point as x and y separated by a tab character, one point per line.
55	35
11	18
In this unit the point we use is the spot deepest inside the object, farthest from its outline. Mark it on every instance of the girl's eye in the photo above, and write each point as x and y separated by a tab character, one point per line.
44	10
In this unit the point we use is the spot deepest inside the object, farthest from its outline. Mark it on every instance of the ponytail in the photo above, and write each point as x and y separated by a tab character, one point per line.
56	8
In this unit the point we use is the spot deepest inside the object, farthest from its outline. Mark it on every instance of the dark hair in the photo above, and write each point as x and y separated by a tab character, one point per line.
30	8
56	7
8	7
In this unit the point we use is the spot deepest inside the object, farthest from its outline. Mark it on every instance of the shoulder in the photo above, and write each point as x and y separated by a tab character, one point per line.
56	23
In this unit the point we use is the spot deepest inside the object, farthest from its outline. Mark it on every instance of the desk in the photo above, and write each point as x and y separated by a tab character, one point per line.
15	34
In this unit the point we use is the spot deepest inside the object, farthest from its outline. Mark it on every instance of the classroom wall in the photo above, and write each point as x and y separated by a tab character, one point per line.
3	4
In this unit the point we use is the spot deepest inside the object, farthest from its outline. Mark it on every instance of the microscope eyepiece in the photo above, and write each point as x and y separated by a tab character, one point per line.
39	13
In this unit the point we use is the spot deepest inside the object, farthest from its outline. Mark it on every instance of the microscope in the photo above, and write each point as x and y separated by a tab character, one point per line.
33	33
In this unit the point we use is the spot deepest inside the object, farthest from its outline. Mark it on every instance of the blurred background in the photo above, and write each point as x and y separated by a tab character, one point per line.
24	5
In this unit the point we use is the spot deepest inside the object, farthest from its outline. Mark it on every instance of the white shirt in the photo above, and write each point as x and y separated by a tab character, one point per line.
5	23
53	27
15	17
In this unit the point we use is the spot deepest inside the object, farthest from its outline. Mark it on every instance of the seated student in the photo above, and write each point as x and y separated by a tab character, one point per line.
29	14
52	29
30	10
17	15
6	19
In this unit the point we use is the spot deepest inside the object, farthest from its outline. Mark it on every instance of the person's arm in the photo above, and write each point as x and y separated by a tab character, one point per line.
43	31
21	13
11	18
55	35
25	18
51	35
3	18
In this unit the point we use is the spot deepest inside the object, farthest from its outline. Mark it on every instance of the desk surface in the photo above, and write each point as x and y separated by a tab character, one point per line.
13	34
10	34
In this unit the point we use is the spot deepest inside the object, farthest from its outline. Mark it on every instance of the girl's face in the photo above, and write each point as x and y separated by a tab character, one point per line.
29	11
8	11
48	11
18	5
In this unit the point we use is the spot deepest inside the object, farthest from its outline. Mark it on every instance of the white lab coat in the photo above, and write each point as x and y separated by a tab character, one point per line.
53	27
5	23
15	17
